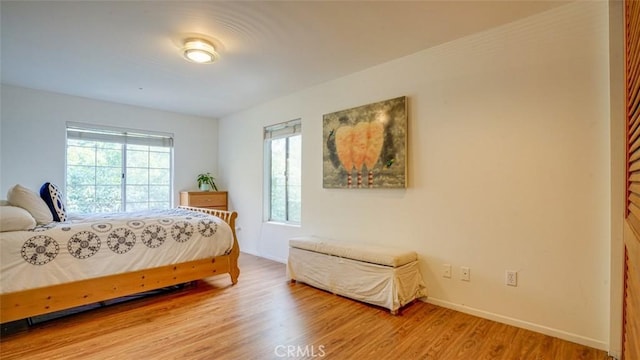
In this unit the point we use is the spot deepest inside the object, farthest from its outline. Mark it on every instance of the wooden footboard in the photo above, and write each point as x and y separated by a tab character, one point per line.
230	218
27	303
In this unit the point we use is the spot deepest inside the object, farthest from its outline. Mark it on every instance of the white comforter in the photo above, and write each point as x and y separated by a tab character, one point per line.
108	244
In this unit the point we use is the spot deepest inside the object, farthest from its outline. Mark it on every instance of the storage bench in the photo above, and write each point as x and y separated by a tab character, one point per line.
385	277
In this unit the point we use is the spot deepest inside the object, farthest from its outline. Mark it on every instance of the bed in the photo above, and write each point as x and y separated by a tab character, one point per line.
61	265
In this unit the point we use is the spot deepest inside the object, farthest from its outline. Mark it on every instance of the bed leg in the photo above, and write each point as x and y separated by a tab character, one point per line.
234	273
394	312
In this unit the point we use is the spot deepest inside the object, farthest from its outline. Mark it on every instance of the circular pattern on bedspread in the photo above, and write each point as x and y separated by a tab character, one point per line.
121	240
165	221
83	244
135	224
154	236
104	227
207	227
181	231
39	250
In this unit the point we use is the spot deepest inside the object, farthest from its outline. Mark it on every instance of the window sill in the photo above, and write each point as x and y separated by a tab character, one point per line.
279	223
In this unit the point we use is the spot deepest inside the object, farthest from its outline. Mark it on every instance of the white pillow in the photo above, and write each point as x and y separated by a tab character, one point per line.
30	201
13	218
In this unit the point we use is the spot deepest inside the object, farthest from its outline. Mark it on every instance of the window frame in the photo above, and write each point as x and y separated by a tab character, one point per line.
123	137
275	132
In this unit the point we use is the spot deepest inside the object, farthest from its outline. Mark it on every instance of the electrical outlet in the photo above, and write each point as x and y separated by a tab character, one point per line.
446	270
465	273
511	278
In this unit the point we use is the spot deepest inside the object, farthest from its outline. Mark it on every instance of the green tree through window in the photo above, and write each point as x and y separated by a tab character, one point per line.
112	170
283	165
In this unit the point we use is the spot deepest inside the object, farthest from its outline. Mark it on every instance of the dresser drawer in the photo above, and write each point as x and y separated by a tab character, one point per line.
206	199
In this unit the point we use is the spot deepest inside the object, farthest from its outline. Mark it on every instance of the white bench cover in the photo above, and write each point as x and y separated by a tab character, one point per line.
363	278
367	253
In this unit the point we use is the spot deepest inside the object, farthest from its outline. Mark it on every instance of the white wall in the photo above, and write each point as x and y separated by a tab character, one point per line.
509	168
33	130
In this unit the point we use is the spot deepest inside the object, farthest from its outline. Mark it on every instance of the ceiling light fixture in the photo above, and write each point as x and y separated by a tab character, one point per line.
199	51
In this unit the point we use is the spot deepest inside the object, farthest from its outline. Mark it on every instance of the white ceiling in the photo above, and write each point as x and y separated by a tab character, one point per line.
128	52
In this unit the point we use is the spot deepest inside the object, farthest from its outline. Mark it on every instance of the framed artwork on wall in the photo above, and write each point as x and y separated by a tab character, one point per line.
366	146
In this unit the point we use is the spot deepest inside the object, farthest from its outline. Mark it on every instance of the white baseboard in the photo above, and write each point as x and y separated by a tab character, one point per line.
521	324
579	339
282	261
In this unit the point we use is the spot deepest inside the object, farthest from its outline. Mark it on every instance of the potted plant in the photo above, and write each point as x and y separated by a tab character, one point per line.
205	182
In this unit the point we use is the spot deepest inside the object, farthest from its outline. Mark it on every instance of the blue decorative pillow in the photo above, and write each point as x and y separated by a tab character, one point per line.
52	195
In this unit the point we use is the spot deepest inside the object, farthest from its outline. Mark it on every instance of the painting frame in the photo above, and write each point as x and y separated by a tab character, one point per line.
365	147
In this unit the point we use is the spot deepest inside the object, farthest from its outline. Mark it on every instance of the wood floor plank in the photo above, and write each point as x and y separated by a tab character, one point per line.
266	317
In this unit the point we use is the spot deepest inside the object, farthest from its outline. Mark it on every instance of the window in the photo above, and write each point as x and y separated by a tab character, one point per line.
283	175
114	170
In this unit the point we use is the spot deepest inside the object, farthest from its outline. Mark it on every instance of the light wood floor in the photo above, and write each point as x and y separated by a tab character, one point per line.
265	317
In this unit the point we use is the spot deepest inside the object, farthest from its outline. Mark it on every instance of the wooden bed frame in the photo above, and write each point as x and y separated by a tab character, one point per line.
23	304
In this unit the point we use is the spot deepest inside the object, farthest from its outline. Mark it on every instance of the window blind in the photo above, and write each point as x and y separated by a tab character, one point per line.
281	130
119	136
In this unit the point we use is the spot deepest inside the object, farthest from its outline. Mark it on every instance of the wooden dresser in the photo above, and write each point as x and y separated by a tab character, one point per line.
204	199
